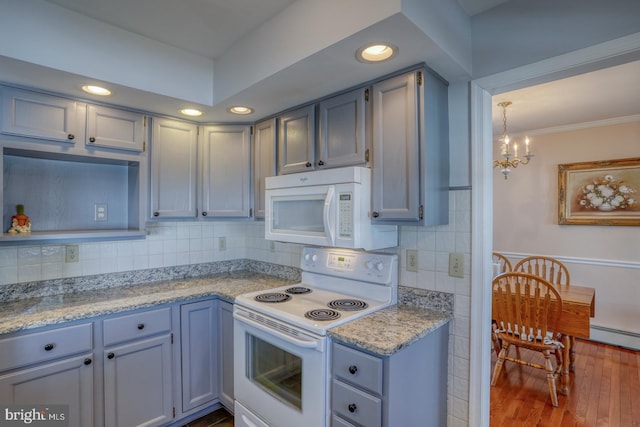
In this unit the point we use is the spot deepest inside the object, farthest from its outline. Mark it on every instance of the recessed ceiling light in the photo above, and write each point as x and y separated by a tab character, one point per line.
191	112
96	90
376	52
239	109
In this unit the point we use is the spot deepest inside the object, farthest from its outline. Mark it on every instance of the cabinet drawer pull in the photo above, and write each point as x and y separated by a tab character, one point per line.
353	369
49	347
352	407
141	326
92	139
71	136
320	163
110	355
87	361
308	164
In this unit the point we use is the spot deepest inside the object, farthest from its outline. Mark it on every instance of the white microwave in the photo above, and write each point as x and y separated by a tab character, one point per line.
330	207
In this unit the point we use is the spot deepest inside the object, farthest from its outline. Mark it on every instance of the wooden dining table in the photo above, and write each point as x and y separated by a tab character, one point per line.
578	307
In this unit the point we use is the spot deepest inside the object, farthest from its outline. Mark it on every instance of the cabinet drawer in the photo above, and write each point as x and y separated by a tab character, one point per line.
357	368
42	346
137	325
356	405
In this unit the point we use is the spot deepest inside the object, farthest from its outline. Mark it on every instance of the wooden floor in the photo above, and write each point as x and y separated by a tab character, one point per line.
604	391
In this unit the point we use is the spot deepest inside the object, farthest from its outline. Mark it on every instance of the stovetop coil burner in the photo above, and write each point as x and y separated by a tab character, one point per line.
348	304
323	314
296	290
272	297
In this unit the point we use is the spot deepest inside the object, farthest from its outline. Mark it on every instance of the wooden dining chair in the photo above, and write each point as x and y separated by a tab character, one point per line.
527	309
505	264
546	267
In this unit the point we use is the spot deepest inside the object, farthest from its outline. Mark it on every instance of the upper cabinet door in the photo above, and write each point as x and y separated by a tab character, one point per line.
264	161
296	141
396	170
173	169
343	130
41	116
111	128
226	171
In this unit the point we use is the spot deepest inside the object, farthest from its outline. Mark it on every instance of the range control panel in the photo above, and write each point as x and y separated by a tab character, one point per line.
356	265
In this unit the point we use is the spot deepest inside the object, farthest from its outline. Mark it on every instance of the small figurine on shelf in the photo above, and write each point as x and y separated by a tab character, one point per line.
20	222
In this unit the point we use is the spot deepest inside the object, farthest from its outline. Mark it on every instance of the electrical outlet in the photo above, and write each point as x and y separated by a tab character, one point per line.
412	260
272	246
100	212
222	243
456	265
71	253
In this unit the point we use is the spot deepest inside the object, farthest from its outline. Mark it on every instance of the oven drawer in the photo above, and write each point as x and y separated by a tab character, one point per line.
355	405
357	368
137	325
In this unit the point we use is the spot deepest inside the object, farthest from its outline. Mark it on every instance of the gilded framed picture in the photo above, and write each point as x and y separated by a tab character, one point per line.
604	192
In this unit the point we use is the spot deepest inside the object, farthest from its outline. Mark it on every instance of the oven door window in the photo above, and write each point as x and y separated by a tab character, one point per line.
275	370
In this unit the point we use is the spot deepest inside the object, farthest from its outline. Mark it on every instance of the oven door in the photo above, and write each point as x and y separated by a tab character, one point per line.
280	375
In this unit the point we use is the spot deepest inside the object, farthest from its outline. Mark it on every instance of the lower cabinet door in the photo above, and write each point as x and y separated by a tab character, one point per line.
138	383
225	351
65	382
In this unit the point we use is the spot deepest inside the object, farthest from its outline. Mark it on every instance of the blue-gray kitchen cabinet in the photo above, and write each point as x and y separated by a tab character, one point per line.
296	140
225	347
199	354
407	388
138	369
50	368
264	161
411	149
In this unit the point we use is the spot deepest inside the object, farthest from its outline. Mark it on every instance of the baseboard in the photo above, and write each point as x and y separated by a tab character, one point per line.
615	337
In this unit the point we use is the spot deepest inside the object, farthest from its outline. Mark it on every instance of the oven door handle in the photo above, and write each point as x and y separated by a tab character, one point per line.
306	343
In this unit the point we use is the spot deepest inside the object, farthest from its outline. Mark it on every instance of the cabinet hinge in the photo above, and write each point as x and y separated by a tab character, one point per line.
366	155
172	338
251	130
250	212
174	412
366	94
419	77
144	121
421	211
144	146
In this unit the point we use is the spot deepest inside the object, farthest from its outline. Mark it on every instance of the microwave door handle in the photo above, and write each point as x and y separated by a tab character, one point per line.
329	200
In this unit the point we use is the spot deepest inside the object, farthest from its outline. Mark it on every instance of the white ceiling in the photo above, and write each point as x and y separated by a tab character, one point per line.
211	28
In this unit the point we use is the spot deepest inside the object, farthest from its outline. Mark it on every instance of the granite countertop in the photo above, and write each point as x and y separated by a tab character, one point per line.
53	309
384	332
389	330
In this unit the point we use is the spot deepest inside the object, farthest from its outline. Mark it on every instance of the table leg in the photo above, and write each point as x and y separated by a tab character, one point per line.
566	351
572	354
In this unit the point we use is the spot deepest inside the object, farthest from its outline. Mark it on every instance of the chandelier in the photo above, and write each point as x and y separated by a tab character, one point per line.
510	159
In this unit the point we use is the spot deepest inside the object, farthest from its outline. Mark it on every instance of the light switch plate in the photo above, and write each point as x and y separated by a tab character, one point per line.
456	265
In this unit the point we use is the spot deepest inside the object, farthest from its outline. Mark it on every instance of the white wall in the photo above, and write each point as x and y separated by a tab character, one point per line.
606	258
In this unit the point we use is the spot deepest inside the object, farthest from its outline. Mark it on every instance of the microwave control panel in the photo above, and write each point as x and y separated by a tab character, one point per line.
345	215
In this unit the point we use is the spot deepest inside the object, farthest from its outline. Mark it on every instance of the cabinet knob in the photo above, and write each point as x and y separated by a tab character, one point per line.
110	355
204	214
141	326
353	369
375	214
49	347
156	214
71	136
87	361
320	163
352	407
308	164
92	139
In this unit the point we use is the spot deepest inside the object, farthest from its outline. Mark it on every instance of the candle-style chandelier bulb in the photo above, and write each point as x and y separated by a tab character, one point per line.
510	158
